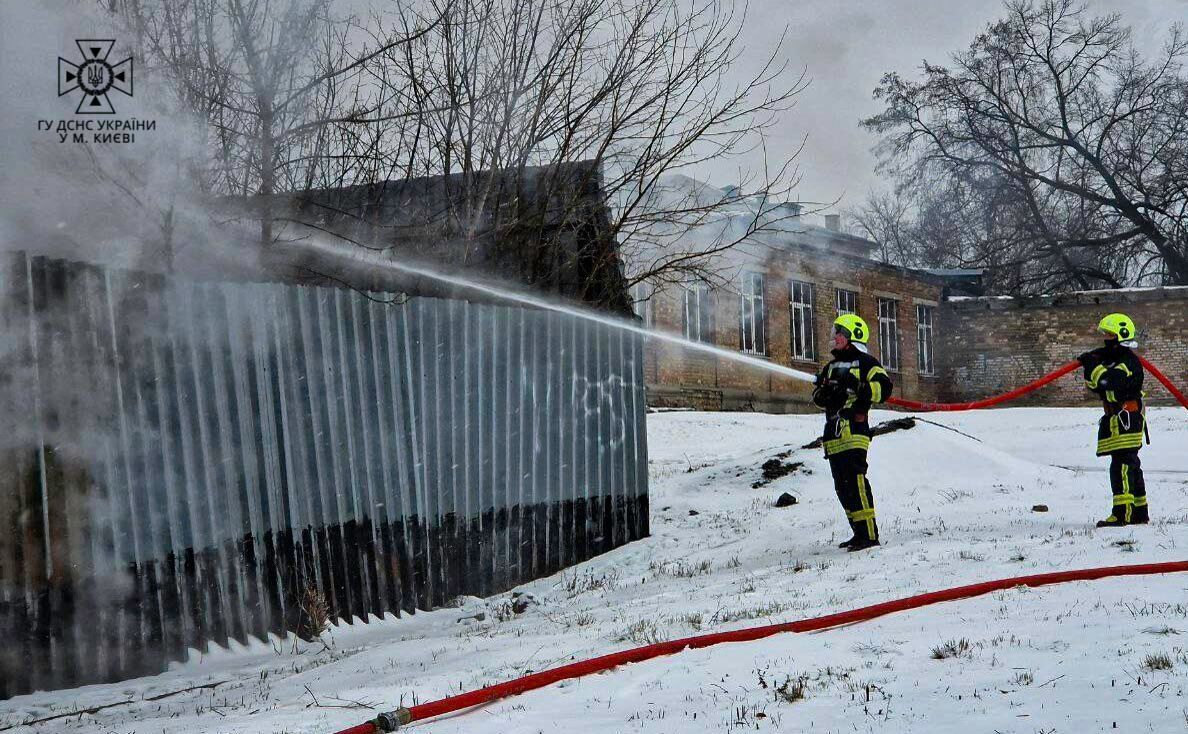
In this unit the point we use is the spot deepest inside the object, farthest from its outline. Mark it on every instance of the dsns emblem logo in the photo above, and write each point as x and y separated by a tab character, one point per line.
95	77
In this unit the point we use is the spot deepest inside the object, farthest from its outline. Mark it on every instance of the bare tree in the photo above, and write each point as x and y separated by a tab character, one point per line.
553	126
285	86
1054	125
885	217
979	219
639	90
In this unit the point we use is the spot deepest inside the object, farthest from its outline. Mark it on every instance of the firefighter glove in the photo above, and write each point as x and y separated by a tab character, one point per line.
848	381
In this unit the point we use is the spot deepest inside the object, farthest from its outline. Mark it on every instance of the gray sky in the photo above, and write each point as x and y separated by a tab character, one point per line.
847	45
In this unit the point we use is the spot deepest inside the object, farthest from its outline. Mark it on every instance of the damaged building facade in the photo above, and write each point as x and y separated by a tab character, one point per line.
777	300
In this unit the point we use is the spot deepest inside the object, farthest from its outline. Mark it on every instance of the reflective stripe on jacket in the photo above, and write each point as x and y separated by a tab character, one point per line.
1117	378
846	406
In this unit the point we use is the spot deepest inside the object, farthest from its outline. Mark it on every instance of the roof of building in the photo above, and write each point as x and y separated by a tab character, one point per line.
1073	298
780	223
543	227
956	272
788	228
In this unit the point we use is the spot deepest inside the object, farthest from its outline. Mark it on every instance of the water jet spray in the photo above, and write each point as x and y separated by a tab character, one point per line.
375	259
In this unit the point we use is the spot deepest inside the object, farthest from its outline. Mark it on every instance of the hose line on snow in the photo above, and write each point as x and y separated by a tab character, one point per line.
389	722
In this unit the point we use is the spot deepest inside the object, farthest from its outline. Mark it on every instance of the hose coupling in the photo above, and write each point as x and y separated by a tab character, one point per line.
390	721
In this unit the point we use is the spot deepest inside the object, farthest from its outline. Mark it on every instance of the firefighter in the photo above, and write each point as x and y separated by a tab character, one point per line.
846	388
1115	374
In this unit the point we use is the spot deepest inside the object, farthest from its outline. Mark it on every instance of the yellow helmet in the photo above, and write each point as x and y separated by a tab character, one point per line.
853	327
1119	325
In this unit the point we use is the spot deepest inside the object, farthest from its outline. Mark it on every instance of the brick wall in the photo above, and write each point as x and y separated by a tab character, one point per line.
680	377
989	345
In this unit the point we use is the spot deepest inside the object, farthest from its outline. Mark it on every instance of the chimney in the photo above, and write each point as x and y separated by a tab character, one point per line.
833	222
794	209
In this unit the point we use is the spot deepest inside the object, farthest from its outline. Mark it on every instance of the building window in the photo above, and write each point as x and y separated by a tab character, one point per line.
847	301
800	312
752	333
889	333
641	298
699	313
924	348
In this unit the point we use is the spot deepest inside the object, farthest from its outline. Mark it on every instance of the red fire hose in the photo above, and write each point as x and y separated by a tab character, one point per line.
1163	379
1030	387
988	402
389	722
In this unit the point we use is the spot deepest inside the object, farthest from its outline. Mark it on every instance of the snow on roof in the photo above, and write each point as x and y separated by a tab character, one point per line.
1078	295
954	272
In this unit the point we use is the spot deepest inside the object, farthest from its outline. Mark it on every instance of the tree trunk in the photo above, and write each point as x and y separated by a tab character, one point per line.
267	172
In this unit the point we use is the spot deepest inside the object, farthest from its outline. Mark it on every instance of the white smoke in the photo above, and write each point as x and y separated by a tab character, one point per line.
116	204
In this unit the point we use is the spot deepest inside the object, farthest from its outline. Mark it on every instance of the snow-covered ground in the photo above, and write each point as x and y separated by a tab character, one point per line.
953	509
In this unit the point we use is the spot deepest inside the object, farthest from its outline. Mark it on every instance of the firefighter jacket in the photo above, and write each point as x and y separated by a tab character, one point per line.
846	388
1115	375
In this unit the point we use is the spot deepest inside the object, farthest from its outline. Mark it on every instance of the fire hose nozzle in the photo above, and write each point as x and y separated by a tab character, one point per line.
390	721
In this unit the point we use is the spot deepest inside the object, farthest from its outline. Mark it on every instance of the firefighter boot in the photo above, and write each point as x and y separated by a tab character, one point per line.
861	544
866	532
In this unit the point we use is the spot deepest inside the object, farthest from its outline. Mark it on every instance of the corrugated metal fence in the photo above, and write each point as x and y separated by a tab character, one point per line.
190	462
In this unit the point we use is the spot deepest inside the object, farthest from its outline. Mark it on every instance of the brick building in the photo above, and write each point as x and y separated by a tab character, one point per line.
988	345
784	294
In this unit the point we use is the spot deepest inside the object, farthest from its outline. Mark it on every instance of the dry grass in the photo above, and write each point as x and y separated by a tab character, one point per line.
585	619
577	583
680	569
502	611
722	616
1158	661
643	632
949	496
1162	629
792	689
315	614
952	649
873	648
1156	609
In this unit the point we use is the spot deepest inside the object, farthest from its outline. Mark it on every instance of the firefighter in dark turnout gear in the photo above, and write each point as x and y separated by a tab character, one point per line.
1115	374
846	388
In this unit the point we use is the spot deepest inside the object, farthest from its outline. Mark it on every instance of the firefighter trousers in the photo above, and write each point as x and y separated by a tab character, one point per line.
1128	486
854	492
